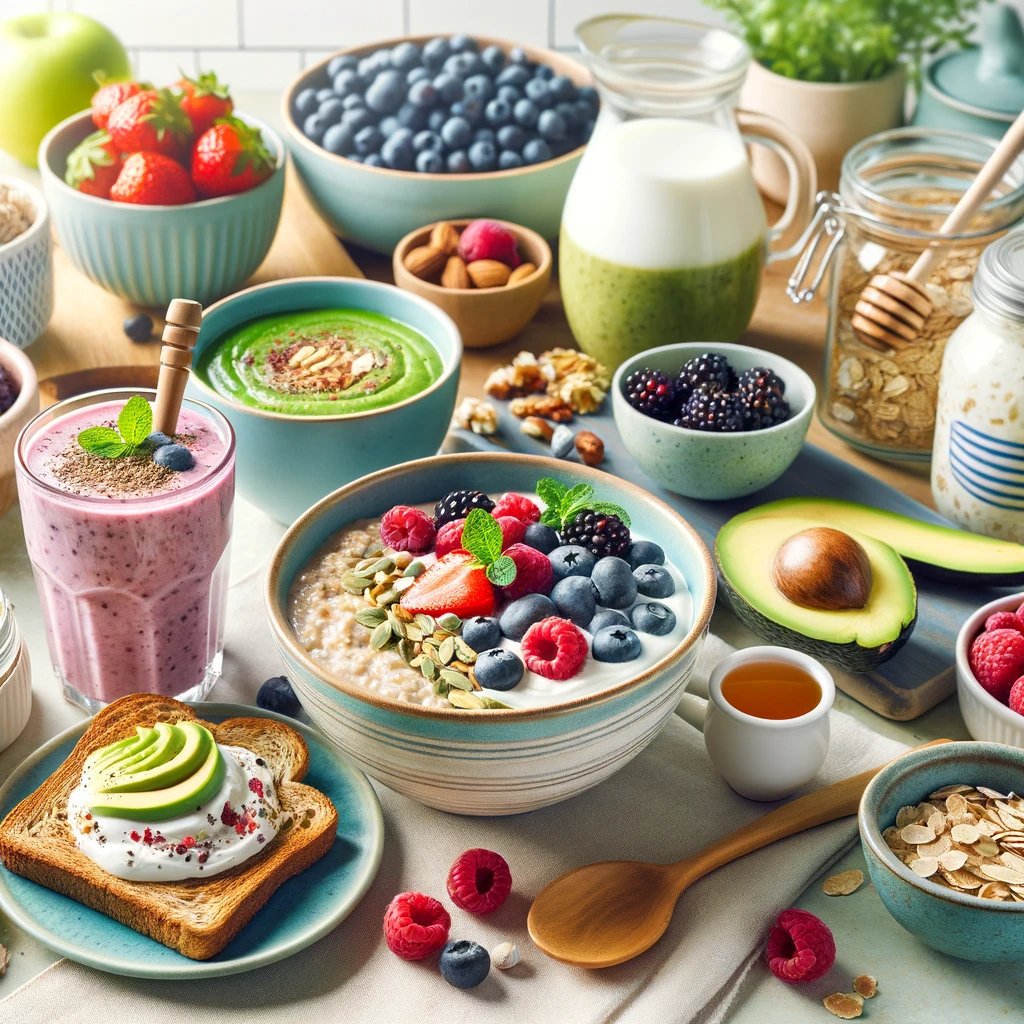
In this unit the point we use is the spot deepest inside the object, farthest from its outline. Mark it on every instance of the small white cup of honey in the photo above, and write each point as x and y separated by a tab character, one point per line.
766	727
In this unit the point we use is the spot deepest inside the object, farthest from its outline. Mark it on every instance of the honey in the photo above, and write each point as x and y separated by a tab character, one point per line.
771	689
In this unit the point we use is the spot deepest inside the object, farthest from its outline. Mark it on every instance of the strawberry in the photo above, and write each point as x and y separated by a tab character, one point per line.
93	165
152	179
230	157
108	96
205	100
453	584
151	121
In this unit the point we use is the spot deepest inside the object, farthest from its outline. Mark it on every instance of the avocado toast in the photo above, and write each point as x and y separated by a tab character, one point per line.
198	916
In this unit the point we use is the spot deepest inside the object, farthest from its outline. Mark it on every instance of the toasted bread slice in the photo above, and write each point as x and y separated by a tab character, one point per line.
197	917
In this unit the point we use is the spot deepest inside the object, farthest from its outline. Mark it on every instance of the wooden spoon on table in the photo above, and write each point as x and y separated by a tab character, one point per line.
604	914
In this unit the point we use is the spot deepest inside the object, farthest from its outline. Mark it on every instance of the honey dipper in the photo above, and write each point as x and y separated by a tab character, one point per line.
893	307
184	317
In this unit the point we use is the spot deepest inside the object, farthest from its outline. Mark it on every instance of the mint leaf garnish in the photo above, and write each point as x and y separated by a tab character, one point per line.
102	441
135	421
563	505
609	508
551	492
502	572
482	538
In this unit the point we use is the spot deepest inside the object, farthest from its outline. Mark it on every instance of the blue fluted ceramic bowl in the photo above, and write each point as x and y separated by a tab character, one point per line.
152	254
376	207
706	464
490	761
952	922
284	463
26	274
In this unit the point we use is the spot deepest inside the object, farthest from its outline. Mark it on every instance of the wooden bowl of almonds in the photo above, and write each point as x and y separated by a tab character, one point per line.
488	275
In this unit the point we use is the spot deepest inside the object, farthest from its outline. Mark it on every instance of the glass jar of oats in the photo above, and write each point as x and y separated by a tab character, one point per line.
895	191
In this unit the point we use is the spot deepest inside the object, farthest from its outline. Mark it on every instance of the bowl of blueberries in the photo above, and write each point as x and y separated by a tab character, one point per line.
394	134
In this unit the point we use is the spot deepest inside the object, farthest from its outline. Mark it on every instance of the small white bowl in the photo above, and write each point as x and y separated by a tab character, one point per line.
16	687
26	274
985	717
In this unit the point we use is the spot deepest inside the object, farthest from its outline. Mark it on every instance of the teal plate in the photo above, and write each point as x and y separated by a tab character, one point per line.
302	910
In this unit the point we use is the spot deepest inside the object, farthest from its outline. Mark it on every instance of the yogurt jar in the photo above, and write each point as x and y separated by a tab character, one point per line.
15	676
978	452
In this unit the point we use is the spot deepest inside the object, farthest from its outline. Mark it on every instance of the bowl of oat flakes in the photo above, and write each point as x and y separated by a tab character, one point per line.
26	263
490	633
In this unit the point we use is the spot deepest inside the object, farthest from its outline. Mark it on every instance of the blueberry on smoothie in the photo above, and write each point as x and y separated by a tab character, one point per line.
613	580
654	581
572	560
645	552
276	694
615	644
498	669
175	457
520	615
157	439
653	617
482	632
574	599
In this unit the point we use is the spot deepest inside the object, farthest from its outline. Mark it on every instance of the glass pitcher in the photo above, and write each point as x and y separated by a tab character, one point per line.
664	235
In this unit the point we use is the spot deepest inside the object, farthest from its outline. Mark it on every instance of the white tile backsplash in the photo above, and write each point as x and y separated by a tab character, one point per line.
252	70
319	24
169	23
524	21
15	8
164	67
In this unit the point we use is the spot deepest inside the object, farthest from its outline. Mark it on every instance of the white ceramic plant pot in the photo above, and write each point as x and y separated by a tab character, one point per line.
829	117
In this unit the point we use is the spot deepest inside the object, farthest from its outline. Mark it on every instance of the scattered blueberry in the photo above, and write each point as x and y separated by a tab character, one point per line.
175	457
405	56
276	694
306	102
456	133
157	439
483	156
536	151
526	113
572	560
339	139
482	632
520	615
574	599
542	537
614	583
423	94
368	140
654	581
464	964
458	162
341	63
645	552
562	441
429	161
653	617
615	644
509	160
478	87
512	137
387	92
606	618
139	327
498	669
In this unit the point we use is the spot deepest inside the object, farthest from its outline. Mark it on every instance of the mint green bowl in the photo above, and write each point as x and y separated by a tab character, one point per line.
376	207
152	254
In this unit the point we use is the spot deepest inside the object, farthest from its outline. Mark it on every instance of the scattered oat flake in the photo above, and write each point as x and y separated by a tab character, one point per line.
917	834
845	1005
866	986
843	883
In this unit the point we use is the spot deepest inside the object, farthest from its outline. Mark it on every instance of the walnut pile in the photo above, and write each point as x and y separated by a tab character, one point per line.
575	380
477	415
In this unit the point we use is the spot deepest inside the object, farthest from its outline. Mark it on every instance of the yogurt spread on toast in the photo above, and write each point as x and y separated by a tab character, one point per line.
162	806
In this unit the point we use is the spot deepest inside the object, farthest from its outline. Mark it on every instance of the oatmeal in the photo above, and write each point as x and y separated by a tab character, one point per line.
17	213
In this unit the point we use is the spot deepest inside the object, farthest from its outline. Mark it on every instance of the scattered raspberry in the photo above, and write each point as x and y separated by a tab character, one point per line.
489	240
1016	698
407	529
147	837
997	660
534	574
554	648
512	531
256	786
1004	620
415	925
204	857
181	848
135	836
449	538
479	881
189	842
800	947
518	507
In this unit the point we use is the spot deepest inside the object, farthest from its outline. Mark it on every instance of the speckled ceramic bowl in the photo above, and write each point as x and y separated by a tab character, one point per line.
952	922
26	405
26	274
705	464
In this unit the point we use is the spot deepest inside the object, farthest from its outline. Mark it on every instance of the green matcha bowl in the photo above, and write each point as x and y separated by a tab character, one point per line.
704	464
286	462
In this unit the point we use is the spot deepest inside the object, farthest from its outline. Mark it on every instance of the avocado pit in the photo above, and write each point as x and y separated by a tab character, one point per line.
822	568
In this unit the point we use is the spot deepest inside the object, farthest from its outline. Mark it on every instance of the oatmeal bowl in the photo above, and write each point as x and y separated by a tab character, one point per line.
490	633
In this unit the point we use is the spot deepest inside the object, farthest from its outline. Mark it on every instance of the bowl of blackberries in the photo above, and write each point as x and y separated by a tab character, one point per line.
395	134
712	421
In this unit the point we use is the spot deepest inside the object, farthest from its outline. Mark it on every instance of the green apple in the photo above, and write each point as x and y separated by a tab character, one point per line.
47	68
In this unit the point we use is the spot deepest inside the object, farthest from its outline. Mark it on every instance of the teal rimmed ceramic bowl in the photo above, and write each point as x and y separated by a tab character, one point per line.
490	762
707	464
152	254
952	922
376	207
284	462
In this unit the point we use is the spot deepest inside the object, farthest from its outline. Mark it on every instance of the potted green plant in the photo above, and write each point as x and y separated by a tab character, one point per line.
835	71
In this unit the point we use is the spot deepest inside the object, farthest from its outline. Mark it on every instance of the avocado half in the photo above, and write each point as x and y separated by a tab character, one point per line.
940	552
857	639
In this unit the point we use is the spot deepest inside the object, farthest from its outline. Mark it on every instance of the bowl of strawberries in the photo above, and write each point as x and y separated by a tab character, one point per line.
159	193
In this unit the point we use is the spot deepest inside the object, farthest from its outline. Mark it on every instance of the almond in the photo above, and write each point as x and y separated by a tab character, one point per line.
521	272
488	273
444	237
455	275
424	262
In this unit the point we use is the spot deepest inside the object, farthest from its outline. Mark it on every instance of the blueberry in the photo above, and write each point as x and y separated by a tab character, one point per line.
479	87
562	88
541	537
462	65
604	619
331	110
588	94
510	93
175	457
373	160
358	118
429	161
355	158
458	162
387	92
582	111
587	130
405	56
464	964
367	69
410	116
561	148
537	90
526	113
653	617
615	644
520	615
368	140
494	58
568	112
419	75
614	583
156	439
463	44
388	126
339	139
572	560
654	581
536	151
574	599
498	669
498	113
508	160
543	72
381	58
423	94
306	102
449	87
645	552
397	152
347	83
517	55
481	632
516	75
436	52
457	133
437	119
353	101
138	327
427	141
341	63
552	126
483	156
512	137
276	694
485	135
472	110
314	127
324	94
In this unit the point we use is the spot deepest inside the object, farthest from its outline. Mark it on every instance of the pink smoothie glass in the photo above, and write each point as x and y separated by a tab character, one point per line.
133	589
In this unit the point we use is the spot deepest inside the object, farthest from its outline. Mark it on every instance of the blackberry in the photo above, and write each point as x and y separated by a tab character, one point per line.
458	505
709	372
762	395
712	410
652	393
600	534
